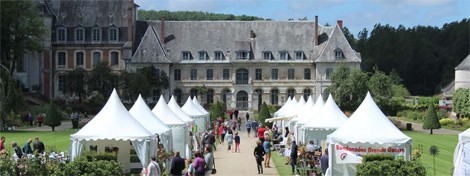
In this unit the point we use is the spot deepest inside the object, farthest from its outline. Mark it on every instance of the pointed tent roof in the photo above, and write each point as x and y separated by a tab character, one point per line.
310	113
310	101
464	136
196	103
280	111
329	117
368	125
289	110
146	118
113	122
164	113
191	109
177	110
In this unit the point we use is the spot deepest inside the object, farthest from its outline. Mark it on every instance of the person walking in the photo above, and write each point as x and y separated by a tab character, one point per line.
237	143
259	153
261	133
247	116
30	119
209	159
199	164
293	156
221	133
239	123
235	113
254	126
267	150
248	127
27	147
38	145
229	138
40	119
177	165
324	162
153	169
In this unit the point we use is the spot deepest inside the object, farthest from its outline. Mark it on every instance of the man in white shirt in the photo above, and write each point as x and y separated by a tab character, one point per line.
153	168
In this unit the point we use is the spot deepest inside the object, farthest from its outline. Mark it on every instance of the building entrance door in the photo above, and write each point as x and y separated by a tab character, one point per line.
242	101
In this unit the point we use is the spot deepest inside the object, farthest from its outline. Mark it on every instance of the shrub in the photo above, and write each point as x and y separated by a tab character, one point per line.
7	165
217	110
100	156
391	167
441	113
446	122
81	166
396	122
415	115
376	157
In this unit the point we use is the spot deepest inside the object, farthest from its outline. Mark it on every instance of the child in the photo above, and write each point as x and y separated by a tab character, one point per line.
229	139
237	143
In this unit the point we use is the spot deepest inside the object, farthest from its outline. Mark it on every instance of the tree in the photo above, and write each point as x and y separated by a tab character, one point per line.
461	102
75	83
134	84
21	30
101	79
264	113
217	110
348	87
11	97
434	151
53	116
432	121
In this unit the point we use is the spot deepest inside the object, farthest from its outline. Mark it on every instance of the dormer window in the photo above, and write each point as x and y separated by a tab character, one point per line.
61	34
242	55
218	55
202	55
339	55
96	34
186	55
80	34
299	55
283	55
267	55
113	34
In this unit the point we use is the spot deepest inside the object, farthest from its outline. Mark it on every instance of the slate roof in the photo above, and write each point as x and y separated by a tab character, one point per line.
337	40
465	64
150	50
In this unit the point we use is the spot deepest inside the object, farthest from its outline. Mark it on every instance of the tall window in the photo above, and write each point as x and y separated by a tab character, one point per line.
114	58
61	83
242	76
156	93
202	55
193	74
210	96
283	55
242	55
290	93
79	34
61	59
274	96
178	93
299	55
307	74
113	34
177	75
96	34
307	93
266	55
274	74
96	58
186	55
290	74
225	93
79	59
339	54
209	74
219	55
225	74
61	34
258	74
329	72
193	93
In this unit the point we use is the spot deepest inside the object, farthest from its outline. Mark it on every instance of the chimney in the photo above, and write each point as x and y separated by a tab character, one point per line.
162	31
130	21
252	34
340	23
252	44
315	37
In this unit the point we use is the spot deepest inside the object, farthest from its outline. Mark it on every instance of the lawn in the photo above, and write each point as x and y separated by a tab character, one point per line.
58	139
279	161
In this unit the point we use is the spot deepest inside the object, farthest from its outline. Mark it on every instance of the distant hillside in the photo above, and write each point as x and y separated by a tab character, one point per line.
193	16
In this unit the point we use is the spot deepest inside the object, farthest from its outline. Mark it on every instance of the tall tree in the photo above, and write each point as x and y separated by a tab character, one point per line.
350	37
101	79
431	121
348	87
75	83
263	113
53	116
461	102
134	84
21	30
11	97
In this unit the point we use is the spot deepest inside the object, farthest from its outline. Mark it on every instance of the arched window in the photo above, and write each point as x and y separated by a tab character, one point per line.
274	96
242	76
80	59
96	57
210	96
290	93
242	100
307	93
193	93
178	93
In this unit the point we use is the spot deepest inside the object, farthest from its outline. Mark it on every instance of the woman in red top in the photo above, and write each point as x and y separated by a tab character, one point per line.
261	133
221	133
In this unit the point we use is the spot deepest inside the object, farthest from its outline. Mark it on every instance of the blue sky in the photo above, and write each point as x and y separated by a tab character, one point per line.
356	14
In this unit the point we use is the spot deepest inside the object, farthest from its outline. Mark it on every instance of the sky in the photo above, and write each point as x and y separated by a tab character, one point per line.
356	14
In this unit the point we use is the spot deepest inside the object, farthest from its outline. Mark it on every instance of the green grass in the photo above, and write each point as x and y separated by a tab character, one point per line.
446	144
58	139
279	161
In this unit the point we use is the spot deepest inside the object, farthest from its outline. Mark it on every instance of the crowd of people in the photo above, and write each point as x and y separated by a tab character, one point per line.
25	151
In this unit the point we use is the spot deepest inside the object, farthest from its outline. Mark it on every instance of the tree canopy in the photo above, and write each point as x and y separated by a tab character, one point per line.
192	16
431	120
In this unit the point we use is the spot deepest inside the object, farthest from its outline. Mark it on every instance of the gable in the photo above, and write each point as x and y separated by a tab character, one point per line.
150	49
338	43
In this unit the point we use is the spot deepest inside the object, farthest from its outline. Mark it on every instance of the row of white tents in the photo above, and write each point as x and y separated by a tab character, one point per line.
138	128
367	131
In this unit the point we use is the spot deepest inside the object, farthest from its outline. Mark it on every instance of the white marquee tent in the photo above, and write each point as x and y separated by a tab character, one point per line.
179	128
368	131
194	112
462	154
281	110
142	113
325	122
178	111
196	103
114	126
305	116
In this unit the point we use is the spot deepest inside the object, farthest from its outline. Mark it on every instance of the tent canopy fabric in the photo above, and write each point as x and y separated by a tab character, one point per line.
191	109
177	110
310	112
368	125
289	110
166	115
329	117
142	113
196	103
113	122
462	150
281	110
464	137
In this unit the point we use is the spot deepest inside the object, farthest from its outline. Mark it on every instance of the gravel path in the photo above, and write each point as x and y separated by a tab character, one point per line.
419	128
64	125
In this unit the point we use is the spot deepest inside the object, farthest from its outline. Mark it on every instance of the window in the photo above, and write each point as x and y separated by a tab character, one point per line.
329	71
113	34
79	34
178	94
258	74
225	93
283	55
193	74
79	59
202	55
339	54
61	59
267	55
156	95
307	93
299	55
157	72
114	58
307	75
209	74
274	74
274	97
290	93
219	55
291	74
61	83
193	93
177	75
96	58
242	76
242	55
210	96
96	34
186	55
225	74
61	34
